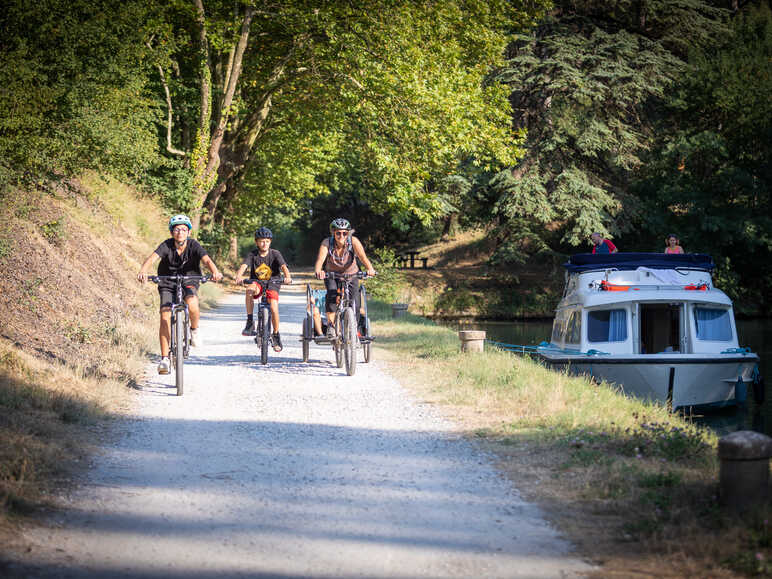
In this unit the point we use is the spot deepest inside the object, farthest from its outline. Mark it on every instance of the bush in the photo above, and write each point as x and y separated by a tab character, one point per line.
389	285
215	240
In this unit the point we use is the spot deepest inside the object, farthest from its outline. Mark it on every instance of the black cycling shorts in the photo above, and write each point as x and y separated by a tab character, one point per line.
167	293
332	293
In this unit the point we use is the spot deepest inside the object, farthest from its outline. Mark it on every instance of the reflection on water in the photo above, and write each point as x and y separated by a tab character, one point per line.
755	334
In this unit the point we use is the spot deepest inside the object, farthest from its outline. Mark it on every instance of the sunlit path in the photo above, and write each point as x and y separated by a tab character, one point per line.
291	470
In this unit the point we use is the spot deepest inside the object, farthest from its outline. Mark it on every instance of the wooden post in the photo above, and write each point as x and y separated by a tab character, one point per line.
744	469
471	340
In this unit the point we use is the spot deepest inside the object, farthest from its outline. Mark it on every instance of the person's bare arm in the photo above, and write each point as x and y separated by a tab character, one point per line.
151	259
321	256
212	267
240	273
359	251
286	272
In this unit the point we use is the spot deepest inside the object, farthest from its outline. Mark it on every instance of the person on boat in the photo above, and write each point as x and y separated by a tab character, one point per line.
600	245
672	245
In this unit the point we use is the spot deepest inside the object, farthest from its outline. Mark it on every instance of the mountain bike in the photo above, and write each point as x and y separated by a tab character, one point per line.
263	334
179	345
347	338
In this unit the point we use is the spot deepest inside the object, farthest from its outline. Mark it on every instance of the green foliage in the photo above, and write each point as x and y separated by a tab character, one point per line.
74	89
54	231
661	440
215	240
172	182
6	247
456	301
389	285
76	332
711	166
585	85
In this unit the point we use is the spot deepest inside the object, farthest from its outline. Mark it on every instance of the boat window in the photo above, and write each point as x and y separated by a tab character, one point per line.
574	329
607	325
713	324
559	327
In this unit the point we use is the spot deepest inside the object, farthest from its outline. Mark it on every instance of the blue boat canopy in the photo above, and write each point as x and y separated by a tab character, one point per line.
582	262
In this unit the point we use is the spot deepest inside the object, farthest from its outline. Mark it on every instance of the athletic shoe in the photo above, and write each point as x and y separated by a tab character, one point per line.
277	347
195	339
249	329
164	366
331	332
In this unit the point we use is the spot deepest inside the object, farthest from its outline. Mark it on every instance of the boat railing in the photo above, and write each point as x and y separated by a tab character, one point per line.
544	347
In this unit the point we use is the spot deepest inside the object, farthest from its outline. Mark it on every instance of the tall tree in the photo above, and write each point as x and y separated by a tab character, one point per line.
586	84
74	89
711	170
402	81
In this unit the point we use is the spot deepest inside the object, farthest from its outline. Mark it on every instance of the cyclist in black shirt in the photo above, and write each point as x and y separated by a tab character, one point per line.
264	263
178	255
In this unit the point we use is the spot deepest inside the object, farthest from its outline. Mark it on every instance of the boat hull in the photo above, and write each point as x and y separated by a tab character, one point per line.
685	380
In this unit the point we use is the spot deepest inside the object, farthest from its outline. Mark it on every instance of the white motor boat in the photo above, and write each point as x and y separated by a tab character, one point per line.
654	325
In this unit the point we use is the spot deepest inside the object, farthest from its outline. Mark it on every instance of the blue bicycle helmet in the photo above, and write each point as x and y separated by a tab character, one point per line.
180	220
263	233
339	223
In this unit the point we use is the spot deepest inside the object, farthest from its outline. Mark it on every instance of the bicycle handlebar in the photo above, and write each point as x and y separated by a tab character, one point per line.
336	275
182	278
275	279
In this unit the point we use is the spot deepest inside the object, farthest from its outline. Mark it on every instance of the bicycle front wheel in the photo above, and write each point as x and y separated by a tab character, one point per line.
265	336
308	335
178	345
364	323
350	340
337	345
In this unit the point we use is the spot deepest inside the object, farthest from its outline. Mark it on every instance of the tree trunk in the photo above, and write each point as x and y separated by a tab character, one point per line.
450	227
236	155
233	250
207	159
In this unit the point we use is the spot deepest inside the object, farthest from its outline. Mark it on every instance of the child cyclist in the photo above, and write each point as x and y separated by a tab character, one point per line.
264	263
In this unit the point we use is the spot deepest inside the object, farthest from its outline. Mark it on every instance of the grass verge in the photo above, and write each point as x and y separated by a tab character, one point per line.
632	485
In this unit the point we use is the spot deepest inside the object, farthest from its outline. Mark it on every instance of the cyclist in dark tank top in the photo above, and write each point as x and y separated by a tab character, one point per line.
339	253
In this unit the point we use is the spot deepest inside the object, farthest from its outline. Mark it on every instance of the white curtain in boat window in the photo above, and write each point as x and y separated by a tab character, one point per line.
713	324
607	325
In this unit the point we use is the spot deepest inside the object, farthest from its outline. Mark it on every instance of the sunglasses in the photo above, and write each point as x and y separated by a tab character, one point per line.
341	233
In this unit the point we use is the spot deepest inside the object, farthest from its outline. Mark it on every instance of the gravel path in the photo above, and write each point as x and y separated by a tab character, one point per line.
290	470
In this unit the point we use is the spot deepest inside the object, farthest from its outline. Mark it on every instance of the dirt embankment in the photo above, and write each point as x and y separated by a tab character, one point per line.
74	324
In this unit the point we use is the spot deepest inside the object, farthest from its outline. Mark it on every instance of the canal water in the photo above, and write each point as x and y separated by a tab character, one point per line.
755	334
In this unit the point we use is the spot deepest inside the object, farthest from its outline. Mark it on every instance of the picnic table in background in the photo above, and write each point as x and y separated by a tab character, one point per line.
408	259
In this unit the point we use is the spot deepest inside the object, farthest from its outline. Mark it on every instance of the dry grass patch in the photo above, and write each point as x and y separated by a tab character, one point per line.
77	327
632	485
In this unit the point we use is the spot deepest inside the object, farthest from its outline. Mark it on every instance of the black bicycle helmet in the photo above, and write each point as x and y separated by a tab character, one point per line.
263	233
339	223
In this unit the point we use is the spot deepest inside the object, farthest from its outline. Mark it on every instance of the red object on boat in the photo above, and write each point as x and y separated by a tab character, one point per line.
612	287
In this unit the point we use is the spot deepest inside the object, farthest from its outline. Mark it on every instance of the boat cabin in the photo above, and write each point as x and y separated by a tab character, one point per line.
643	304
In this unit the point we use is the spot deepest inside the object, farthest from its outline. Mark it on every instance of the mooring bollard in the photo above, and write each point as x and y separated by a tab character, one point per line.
398	310
744	469
472	340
